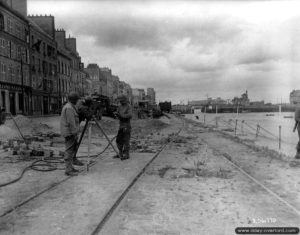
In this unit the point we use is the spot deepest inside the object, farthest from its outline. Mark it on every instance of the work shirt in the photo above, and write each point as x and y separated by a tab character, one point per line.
125	114
297	114
69	120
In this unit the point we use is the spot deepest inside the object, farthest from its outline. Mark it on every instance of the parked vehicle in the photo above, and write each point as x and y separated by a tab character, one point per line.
165	106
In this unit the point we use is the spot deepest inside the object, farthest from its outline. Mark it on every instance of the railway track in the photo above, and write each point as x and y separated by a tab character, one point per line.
116	203
229	158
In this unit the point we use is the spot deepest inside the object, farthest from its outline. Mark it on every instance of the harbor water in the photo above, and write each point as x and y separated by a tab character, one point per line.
262	129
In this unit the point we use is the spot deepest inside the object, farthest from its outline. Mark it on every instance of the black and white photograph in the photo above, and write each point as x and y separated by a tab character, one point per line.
153	117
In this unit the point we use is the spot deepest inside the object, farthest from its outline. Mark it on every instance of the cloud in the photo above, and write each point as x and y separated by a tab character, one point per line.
192	58
185	49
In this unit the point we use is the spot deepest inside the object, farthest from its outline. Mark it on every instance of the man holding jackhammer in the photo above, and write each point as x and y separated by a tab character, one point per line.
124	114
297	126
69	127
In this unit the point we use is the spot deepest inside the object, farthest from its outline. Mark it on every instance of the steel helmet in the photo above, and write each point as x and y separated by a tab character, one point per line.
73	97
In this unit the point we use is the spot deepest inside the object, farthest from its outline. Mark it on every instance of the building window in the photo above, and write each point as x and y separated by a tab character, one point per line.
18	30
32	40
44	49
1	22
1	71
39	65
9	25
19	52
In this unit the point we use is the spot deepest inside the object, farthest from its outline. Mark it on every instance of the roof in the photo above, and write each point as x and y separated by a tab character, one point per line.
13	11
32	23
93	66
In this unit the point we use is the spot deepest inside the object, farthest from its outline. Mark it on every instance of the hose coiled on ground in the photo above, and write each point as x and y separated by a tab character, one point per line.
47	164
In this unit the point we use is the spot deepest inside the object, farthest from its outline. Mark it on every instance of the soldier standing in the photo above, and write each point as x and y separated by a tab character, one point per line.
69	127
124	113
297	120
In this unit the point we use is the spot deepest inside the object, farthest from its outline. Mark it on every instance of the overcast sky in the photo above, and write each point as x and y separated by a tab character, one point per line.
188	50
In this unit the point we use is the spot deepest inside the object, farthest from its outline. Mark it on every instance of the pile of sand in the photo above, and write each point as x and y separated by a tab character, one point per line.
8	133
22	122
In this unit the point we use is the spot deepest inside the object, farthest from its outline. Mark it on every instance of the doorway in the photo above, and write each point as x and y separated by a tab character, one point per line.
12	103
45	104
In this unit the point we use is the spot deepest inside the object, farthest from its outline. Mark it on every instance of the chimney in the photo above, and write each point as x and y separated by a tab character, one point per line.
20	6
60	37
71	44
46	23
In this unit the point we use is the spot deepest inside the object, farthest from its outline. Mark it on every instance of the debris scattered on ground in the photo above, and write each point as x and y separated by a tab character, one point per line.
190	150
228	129
30	145
203	172
163	171
143	146
295	163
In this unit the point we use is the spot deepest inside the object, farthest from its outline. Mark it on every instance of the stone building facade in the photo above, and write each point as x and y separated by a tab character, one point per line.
151	95
15	87
106	77
94	73
63	66
39	65
43	50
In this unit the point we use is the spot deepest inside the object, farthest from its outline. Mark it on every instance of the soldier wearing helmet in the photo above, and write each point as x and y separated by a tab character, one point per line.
297	126
69	127
124	113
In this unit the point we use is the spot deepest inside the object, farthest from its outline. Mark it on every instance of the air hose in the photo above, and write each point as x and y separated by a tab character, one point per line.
46	165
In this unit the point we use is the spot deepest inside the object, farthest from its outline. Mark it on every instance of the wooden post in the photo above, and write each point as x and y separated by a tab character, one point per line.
257	130
236	122
216	121
242	127
204	118
279	137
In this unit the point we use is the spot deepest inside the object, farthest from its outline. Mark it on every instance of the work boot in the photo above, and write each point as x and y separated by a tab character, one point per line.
76	162
71	173
120	155
125	157
74	170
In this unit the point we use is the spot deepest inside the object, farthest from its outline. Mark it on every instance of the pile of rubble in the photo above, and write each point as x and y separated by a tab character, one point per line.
143	146
27	126
146	144
30	145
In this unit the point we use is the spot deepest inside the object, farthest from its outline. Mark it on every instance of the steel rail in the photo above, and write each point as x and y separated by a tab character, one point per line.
229	158
109	213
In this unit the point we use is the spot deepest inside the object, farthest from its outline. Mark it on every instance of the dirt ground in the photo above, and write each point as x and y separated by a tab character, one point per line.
191	188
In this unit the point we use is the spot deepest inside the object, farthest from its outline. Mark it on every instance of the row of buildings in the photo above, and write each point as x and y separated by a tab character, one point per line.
40	65
243	100
104	82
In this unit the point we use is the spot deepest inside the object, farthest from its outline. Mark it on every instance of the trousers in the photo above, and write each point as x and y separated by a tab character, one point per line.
123	141
71	146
